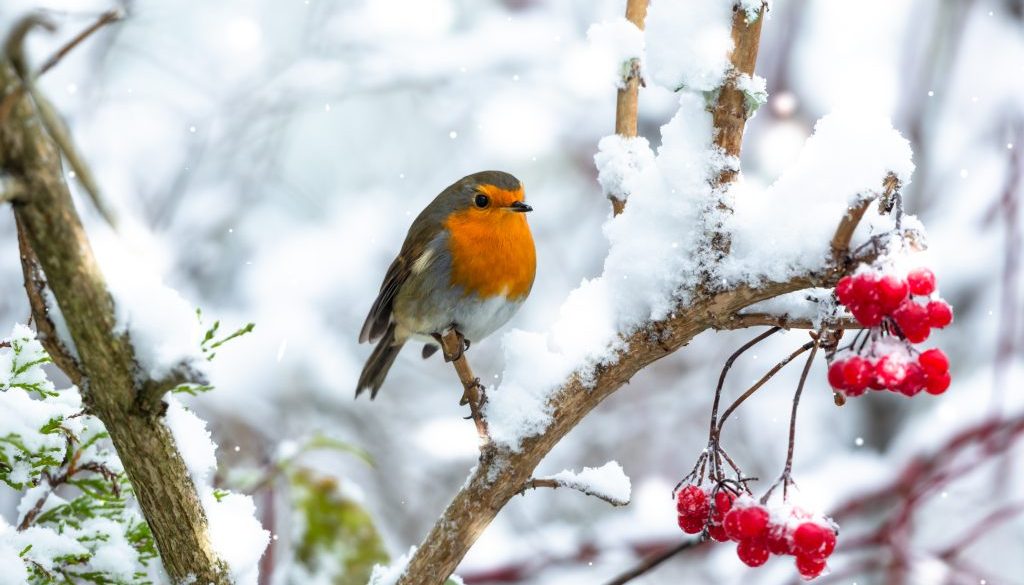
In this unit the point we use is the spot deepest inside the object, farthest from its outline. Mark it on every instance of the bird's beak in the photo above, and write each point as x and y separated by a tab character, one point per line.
520	207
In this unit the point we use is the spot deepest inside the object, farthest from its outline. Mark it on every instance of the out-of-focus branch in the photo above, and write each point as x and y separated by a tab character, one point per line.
451	345
55	126
52	229
654	561
550	482
627	98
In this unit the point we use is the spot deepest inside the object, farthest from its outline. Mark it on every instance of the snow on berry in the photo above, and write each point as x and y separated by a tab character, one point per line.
897	312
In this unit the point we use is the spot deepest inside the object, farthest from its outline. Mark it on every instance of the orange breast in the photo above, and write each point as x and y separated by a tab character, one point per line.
492	252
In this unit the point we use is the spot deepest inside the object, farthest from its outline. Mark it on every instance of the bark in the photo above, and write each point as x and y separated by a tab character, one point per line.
110	379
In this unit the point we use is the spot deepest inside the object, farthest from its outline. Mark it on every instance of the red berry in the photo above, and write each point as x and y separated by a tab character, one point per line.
844	290
717	532
934	361
940	314
691	524
918	335
830	543
723	503
891	292
864	290
753	553
868	314
809	567
856	374
921	281
937	384
914	380
911	315
778	541
889	373
691	501
809	539
732	524
836	377
753	522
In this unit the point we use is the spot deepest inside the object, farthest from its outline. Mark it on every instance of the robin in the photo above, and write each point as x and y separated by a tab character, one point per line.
467	264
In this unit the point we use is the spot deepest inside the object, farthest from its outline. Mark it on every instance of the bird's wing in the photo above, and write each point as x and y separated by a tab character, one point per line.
377	321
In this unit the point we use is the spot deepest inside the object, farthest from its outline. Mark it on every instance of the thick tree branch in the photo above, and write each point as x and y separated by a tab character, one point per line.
744	320
627	98
550	482
111	378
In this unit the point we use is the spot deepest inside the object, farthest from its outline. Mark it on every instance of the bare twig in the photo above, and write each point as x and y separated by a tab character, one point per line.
844	233
744	320
785	478
764	379
451	345
655	560
725	370
628	96
551	482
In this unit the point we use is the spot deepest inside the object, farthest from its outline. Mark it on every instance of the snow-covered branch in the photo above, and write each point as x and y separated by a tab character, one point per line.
681	260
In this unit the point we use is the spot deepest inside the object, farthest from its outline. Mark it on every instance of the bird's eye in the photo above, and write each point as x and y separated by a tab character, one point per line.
482	201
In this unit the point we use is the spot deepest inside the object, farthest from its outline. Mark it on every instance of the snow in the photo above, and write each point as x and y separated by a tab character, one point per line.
847	158
608	481
163	327
620	161
688	43
390	574
617	43
236	535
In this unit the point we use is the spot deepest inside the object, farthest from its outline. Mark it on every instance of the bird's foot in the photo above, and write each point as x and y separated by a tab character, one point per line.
463	344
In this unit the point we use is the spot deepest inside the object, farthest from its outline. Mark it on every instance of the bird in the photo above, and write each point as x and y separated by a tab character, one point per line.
468	263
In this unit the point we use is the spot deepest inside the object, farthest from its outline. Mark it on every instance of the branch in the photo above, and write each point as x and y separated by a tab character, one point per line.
654	560
627	98
785	321
850	221
149	398
551	482
473	390
53	230
45	110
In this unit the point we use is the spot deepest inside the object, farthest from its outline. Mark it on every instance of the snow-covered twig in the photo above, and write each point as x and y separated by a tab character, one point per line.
627	99
608	483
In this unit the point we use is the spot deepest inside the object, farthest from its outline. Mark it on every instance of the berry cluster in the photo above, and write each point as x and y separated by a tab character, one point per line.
759	532
886	304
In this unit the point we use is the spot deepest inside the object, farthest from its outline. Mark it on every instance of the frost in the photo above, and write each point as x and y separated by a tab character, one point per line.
752	8
688	43
608	481
617	43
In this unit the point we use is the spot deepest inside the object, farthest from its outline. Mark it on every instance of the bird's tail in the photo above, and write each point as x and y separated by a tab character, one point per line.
377	366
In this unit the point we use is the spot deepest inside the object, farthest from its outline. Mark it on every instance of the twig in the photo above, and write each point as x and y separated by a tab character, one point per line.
451	345
768	376
626	100
550	482
788	468
844	232
654	560
725	370
106	18
981	528
785	321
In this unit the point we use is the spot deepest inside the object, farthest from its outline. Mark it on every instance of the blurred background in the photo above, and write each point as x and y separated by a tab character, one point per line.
267	156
